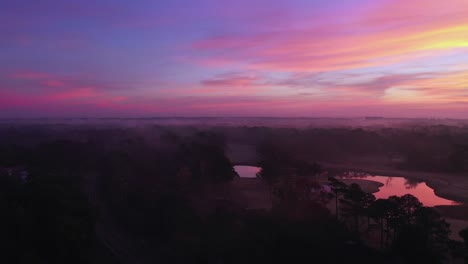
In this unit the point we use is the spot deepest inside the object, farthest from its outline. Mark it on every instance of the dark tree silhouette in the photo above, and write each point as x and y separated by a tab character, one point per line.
338	188
407	205
425	240
274	161
356	203
464	235
381	210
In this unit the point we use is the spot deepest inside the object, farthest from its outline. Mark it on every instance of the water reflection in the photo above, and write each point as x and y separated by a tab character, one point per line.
247	171
411	183
400	186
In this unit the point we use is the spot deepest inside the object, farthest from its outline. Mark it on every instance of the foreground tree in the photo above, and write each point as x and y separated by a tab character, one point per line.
406	206
380	211
464	234
425	240
356	204
338	188
274	161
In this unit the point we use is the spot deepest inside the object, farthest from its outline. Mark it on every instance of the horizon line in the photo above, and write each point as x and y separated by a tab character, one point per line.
244	117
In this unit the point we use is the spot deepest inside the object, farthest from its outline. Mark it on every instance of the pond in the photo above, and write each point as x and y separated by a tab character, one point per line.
247	171
400	186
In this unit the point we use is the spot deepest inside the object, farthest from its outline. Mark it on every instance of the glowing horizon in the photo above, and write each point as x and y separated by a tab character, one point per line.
391	58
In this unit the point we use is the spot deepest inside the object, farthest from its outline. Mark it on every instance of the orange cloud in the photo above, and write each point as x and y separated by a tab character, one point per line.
396	31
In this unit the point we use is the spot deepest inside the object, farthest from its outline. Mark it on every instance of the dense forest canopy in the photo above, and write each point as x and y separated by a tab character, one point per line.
106	194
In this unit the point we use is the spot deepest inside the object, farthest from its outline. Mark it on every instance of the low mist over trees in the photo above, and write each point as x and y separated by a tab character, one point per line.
427	148
112	194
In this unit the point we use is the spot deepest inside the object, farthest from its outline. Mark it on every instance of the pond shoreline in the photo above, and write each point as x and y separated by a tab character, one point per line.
369	186
448	186
453	187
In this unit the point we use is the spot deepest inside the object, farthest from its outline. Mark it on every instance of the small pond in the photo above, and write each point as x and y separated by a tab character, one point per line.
247	171
391	186
400	186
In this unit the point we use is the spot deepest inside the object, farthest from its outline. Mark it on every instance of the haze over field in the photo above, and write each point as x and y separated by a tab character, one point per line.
345	58
267	122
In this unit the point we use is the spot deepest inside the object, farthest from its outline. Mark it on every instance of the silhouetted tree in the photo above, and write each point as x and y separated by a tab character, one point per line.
308	169
381	210
338	188
204	155
407	205
464	235
274	162
356	203
426	239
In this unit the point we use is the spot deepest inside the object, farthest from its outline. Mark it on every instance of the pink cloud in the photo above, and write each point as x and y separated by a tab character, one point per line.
53	83
87	92
41	91
374	38
87	102
232	81
269	42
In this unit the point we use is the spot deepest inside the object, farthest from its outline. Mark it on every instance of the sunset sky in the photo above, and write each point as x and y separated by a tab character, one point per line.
111	58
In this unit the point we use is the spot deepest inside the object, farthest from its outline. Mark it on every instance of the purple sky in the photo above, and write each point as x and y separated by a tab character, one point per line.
399	58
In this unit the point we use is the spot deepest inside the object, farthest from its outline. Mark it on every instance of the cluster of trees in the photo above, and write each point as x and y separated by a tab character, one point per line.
400	225
78	176
46	218
155	183
276	162
464	234
425	148
160	209
150	186
409	229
